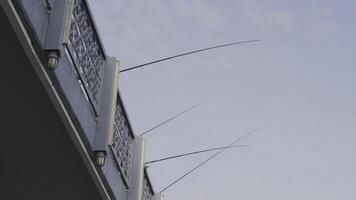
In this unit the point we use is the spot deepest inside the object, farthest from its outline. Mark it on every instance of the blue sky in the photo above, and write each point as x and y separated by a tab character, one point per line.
297	86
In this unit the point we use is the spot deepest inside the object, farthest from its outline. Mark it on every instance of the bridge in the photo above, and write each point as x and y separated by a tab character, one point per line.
64	129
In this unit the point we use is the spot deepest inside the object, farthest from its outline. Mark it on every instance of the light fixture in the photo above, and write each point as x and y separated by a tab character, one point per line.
52	61
100	158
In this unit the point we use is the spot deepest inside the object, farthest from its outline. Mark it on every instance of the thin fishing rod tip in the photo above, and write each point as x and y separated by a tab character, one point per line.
187	53
170	119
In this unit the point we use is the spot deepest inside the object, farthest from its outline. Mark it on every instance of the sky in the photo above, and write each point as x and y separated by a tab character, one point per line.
297	86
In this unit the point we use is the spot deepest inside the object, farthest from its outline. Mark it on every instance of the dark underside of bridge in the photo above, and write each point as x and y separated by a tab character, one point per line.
38	159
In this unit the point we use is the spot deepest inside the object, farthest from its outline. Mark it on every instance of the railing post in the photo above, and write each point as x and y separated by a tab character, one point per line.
106	118
137	169
158	196
56	30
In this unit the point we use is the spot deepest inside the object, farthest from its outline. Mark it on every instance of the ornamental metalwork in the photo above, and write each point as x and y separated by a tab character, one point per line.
86	51
147	191
122	140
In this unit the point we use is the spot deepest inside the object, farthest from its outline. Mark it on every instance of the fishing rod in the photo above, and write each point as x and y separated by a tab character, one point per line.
175	116
194	152
187	53
207	160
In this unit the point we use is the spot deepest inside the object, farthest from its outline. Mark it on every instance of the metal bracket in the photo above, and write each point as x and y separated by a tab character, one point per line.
54	38
106	117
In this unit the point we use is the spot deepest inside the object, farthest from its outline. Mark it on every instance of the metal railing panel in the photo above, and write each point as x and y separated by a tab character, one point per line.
86	51
147	191
122	140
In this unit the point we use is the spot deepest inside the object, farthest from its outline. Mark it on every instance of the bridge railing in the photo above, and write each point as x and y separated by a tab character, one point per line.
86	52
123	138
67	28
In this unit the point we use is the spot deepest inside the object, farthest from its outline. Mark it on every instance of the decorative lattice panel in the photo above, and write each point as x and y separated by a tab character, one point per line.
84	46
122	140
147	192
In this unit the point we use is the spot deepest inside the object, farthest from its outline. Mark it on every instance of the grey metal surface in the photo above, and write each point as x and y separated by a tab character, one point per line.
76	98
55	29
85	48
158	196
106	118
38	15
114	177
137	170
